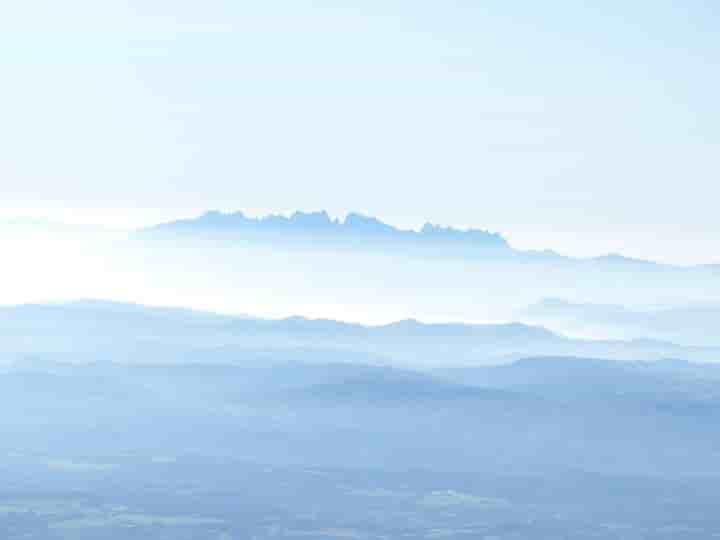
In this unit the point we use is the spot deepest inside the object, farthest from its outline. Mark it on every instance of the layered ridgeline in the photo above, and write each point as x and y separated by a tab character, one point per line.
696	324
96	331
99	379
164	423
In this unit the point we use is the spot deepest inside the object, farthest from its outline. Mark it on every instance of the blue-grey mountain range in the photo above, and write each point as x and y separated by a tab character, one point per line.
166	422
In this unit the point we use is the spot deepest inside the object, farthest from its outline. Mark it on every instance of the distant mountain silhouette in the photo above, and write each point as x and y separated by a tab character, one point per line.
316	227
319	229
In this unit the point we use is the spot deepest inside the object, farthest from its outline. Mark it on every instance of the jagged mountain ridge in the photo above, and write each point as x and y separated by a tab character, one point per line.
319	225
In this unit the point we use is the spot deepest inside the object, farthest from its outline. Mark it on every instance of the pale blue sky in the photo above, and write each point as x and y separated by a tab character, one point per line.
581	128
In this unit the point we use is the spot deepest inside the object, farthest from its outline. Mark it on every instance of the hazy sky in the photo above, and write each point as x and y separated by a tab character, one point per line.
584	129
